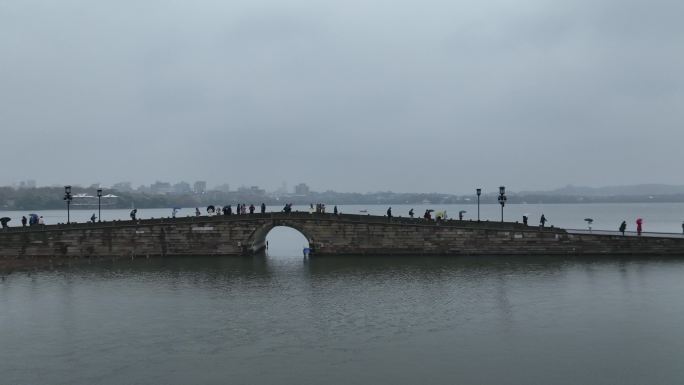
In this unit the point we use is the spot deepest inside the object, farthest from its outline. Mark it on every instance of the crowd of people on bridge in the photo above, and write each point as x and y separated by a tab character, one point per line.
240	209
318	208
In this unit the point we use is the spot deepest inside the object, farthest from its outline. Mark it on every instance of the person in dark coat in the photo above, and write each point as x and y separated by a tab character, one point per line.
389	212
411	213
623	227
23	221
93	218
525	220
542	221
335	210
251	209
133	214
263	208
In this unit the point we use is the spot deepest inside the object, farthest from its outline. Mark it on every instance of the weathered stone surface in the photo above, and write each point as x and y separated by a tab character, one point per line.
327	234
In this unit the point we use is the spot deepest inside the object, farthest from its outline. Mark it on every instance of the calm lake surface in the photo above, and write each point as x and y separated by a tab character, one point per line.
280	319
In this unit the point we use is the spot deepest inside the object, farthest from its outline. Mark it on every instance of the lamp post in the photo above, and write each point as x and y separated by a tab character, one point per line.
67	198
479	192
502	199
99	205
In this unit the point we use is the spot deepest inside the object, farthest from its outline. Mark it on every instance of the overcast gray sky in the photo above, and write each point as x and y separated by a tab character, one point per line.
354	95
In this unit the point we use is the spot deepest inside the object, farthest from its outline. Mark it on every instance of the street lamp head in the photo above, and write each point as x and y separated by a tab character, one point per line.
479	191
502	190
67	189
99	192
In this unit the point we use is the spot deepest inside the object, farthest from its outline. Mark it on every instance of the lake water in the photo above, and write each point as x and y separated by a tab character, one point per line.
280	319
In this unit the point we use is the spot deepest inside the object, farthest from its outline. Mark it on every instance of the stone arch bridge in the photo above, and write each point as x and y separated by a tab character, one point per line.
328	234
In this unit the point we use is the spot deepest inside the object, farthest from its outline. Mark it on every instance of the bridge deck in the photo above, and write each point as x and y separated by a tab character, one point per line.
358	218
627	233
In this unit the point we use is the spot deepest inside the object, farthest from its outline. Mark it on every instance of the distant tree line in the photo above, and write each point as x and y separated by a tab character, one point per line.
52	198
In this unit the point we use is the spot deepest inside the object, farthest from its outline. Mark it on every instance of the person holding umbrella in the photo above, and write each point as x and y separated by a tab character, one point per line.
639	222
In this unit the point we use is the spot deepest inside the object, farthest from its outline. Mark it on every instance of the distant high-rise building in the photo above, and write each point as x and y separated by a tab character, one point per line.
200	187
282	190
122	186
27	184
160	187
253	190
223	188
302	189
182	188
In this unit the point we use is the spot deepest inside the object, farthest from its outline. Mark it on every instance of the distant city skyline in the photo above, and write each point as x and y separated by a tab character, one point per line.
302	188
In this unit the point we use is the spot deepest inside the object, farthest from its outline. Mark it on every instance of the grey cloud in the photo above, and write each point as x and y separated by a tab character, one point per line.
354	95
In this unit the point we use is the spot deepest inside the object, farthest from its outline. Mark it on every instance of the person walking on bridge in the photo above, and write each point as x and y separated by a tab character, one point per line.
639	222
542	221
623	227
389	212
263	208
23	222
133	213
411	213
93	218
251	209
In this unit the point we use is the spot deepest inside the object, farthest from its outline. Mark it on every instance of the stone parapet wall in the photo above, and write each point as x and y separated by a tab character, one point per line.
327	234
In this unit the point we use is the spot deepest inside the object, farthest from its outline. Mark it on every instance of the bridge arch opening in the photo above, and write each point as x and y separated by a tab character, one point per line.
285	241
